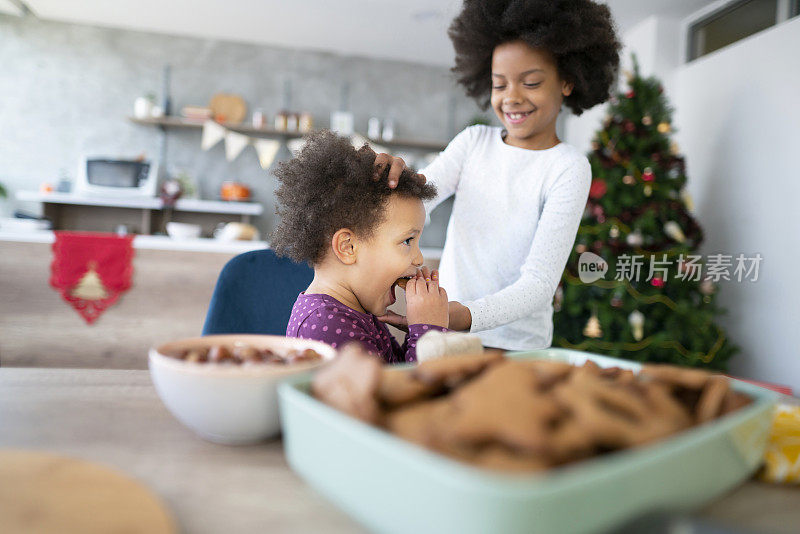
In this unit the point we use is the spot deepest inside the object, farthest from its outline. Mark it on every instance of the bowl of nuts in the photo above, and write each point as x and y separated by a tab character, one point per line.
224	387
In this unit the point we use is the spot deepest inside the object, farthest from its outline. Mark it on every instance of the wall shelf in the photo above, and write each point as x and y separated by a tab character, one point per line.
244	128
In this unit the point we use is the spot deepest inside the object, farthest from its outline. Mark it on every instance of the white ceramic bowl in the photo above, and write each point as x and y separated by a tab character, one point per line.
228	404
177	230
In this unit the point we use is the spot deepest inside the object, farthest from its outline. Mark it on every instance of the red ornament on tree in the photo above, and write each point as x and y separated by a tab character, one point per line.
647	175
597	189
657	282
630	94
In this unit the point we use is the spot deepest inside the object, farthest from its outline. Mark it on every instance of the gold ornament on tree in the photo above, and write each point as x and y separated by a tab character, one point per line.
647	120
673	230
636	320
628	75
90	286
687	199
648	190
664	127
592	328
635	239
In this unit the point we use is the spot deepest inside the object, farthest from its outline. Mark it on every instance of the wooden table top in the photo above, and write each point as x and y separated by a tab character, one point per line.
114	417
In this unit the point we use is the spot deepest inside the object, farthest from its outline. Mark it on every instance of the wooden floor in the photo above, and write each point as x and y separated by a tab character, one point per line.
169	297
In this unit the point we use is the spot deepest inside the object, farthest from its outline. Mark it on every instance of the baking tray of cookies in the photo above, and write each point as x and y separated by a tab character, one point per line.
392	485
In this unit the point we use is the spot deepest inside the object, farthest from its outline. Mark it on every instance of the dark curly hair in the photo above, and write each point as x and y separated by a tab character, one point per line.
580	35
330	186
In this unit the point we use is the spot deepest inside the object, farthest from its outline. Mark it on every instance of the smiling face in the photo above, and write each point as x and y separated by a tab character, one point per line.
390	253
527	93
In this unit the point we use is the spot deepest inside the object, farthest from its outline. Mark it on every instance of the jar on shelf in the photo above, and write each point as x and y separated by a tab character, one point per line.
259	118
292	121
388	130
281	120
306	122
374	128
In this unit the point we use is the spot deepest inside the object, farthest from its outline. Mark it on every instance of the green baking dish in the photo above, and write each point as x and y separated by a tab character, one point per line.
393	486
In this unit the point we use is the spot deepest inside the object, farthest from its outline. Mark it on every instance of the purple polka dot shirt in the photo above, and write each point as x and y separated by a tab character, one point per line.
322	317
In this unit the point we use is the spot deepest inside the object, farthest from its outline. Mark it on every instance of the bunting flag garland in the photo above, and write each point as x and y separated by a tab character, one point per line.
267	150
234	144
296	145
213	133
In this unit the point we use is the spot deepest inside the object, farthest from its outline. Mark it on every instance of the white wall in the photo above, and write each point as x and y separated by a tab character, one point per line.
737	116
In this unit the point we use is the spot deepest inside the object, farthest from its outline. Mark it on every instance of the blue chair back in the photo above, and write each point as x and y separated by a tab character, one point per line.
255	293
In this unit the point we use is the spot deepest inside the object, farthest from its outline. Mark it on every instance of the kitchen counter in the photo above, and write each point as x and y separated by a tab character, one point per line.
114	417
150	242
162	242
150	203
141	214
172	285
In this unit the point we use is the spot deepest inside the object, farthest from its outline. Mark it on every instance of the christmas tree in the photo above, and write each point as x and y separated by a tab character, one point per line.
635	286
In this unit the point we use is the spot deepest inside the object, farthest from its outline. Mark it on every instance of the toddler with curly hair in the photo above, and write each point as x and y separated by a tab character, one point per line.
519	190
360	237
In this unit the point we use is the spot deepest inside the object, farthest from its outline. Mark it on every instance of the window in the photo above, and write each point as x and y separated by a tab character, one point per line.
735	21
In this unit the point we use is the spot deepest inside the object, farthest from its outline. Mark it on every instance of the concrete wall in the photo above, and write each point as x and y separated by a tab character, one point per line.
736	116
67	89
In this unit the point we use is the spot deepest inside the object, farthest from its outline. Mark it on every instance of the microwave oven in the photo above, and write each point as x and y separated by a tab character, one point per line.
103	176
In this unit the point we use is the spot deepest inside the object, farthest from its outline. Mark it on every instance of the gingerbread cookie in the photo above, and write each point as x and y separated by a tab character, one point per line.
504	459
676	376
450	371
399	386
709	405
547	372
734	401
503	406
617	416
350	383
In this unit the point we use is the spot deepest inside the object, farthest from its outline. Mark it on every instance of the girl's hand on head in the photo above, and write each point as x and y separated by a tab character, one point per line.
396	167
426	303
395	319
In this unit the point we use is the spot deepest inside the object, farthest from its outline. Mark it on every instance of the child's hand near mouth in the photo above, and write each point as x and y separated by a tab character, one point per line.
426	302
427	307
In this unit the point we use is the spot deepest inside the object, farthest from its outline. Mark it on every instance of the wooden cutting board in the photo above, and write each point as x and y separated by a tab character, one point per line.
230	108
47	493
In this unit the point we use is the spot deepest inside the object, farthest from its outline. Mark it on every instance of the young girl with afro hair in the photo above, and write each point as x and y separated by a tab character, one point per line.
519	190
361	238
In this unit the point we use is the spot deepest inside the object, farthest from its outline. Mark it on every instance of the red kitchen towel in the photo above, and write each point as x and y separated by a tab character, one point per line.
91	270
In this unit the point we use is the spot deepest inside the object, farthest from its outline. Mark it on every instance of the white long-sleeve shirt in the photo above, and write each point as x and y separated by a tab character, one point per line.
514	221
